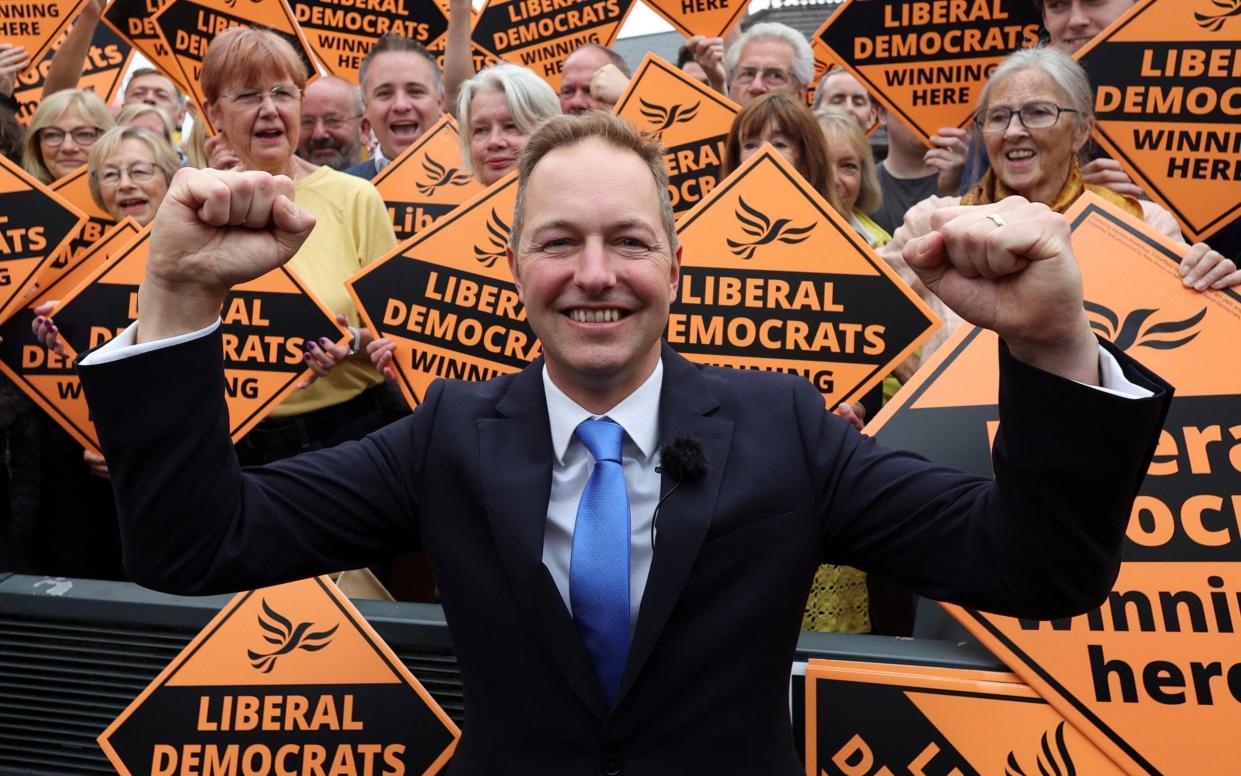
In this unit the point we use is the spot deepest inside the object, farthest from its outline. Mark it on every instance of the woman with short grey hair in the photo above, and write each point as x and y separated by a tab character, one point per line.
499	108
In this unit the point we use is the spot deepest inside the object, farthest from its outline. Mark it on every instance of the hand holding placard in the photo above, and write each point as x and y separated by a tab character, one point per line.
1009	267
215	230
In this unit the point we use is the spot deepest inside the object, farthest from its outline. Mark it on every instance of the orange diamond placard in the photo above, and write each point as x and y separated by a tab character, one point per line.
341	34
264	323
447	299
47	378
1168	106
690	119
187	28
711	18
36	24
426	180
877	718
34	222
928	61
286	679
1148	672
772	278
107	59
75	188
134	20
539	35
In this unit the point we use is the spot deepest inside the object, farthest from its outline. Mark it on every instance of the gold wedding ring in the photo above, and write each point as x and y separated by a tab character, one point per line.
997	218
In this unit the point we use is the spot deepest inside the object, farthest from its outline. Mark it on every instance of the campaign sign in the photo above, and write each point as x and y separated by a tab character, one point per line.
75	188
823	61
691	120
927	60
710	18
35	24
34	222
288	679
1152	669
482	57
107	59
341	32
187	28
539	34
889	718
773	279
265	324
447	299
1167	80
426	180
46	377
134	20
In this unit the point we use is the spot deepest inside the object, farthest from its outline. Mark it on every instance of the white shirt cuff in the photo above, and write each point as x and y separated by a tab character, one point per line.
1112	379
122	345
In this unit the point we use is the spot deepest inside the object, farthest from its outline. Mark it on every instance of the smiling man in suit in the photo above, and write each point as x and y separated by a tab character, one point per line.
611	615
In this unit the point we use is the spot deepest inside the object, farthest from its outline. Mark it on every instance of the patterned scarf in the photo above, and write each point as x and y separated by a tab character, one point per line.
990	189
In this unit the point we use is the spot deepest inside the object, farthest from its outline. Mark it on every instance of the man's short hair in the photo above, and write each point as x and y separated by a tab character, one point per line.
355	92
565	130
612	56
684	55
803	55
145	71
820	90
393	42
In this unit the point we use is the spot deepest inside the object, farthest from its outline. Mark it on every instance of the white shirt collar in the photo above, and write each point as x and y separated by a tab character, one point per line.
381	161
638	414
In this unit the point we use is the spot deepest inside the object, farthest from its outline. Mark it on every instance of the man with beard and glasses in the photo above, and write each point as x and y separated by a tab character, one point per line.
331	132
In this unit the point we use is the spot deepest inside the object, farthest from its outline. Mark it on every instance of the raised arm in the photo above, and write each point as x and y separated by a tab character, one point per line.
69	60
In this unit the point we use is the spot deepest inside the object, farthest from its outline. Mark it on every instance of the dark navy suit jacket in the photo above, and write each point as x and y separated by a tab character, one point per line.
789	486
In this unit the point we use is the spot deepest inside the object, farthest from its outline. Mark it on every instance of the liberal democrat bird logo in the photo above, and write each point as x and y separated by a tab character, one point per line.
1139	329
287	638
497	242
1052	760
663	117
759	226
438	175
1214	22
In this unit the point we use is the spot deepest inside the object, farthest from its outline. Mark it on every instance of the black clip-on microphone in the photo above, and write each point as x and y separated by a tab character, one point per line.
682	460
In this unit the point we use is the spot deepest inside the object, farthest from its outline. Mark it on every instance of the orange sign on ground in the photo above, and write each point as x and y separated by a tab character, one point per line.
539	34
341	32
690	119
34	222
47	378
773	279
187	28
712	18
288	679
1167	80
35	24
890	718
107	59
134	20
265	324
447	299
426	180
927	60
1155	668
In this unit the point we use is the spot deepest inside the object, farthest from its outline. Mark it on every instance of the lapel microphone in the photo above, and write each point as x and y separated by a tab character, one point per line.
682	460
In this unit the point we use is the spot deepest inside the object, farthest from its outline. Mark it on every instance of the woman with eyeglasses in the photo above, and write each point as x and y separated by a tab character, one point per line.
130	170
1035	113
62	131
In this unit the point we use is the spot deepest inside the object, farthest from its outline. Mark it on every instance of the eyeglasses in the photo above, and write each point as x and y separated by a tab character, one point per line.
281	94
771	75
1033	115
138	173
331	121
83	136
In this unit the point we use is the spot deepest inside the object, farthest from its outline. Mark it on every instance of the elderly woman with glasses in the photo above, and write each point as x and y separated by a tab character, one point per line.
62	131
1035	114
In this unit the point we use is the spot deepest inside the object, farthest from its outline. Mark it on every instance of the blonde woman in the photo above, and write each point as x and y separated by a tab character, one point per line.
853	166
62	131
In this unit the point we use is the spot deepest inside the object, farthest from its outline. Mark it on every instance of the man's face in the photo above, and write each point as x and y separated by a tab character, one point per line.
579	68
1072	23
330	131
765	65
843	92
157	90
400	100
595	269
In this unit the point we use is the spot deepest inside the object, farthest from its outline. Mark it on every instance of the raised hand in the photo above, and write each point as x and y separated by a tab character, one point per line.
1009	267
13	60
1204	269
213	231
951	146
1109	174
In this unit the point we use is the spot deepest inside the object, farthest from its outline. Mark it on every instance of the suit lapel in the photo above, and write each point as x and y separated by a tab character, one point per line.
516	458
684	516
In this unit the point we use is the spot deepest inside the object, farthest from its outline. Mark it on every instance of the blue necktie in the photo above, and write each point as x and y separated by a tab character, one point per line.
599	571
